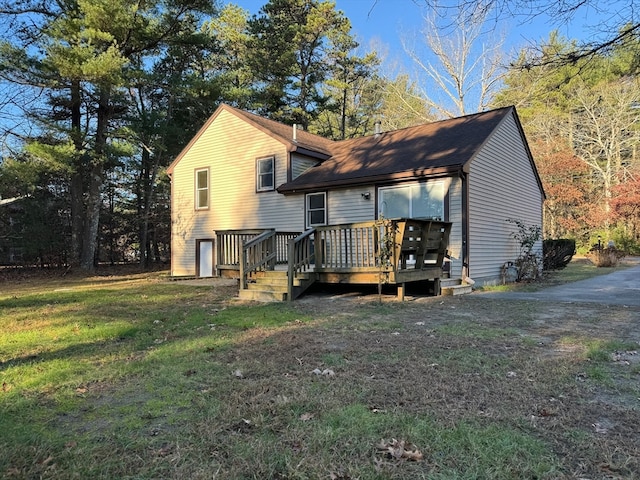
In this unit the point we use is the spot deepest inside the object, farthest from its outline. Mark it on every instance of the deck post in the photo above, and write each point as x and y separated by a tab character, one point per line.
272	248
243	267
291	257
401	290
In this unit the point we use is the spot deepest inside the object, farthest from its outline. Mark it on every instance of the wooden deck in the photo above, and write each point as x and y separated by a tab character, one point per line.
392	252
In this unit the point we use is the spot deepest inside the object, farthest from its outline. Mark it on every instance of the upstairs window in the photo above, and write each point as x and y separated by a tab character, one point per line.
202	189
316	209
265	176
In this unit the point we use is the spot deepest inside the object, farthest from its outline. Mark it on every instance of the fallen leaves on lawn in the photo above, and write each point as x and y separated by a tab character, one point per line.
14	472
374	409
165	450
399	450
327	372
600	428
339	476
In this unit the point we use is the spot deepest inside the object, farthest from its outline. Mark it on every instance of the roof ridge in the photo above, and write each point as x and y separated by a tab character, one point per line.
264	120
434	122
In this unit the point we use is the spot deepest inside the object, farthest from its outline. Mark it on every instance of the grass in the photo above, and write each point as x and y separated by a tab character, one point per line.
136	377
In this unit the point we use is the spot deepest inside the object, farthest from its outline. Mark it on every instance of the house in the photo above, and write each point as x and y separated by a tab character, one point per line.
11	251
242	172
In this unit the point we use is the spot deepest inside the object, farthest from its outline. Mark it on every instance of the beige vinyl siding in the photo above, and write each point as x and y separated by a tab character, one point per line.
300	164
349	206
502	185
229	147
455	217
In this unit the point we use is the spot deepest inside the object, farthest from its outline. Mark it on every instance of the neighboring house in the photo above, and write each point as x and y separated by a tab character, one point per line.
242	171
10	240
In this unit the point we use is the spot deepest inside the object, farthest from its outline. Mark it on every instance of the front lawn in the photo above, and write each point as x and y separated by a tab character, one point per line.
138	377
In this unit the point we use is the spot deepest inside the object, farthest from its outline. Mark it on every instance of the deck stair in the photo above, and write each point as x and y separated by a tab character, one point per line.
454	286
271	286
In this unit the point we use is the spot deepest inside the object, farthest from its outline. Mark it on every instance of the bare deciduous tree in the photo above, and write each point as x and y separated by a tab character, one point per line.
608	24
463	61
605	135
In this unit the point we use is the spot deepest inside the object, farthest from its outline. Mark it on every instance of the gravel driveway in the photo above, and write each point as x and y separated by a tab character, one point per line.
617	288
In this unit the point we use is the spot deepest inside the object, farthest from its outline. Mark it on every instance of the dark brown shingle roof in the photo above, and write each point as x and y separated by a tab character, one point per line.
436	148
305	141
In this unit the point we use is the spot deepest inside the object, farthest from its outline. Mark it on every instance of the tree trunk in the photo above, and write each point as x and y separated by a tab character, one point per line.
343	115
148	172
76	189
96	180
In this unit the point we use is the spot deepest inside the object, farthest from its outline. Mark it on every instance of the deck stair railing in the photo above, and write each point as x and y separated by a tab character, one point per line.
258	254
301	259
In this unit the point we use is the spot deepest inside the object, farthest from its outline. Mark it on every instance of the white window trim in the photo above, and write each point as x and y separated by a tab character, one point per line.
307	210
198	189
412	184
272	159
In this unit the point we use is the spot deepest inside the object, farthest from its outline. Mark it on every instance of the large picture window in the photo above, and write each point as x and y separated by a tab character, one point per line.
265	173
202	188
418	200
316	209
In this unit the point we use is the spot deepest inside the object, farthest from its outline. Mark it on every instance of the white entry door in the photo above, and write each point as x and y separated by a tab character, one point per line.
205	267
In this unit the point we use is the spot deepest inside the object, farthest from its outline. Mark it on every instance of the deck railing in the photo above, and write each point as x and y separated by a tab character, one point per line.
347	246
229	246
282	246
397	245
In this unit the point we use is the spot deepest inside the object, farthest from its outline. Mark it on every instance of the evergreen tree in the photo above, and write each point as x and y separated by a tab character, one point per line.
80	54
290	50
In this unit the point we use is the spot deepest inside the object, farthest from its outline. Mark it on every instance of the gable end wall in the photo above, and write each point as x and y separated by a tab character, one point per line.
502	185
229	148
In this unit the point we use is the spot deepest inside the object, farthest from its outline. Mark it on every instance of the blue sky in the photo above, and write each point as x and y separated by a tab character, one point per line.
385	25
387	22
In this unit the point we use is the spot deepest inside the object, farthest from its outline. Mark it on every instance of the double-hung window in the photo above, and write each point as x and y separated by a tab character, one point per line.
265	174
202	188
316	209
418	200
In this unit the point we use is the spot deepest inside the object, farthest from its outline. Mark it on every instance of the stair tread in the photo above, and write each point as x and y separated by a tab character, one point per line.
262	295
456	289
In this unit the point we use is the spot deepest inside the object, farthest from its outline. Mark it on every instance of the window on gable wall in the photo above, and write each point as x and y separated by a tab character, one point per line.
265	171
316	208
202	189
